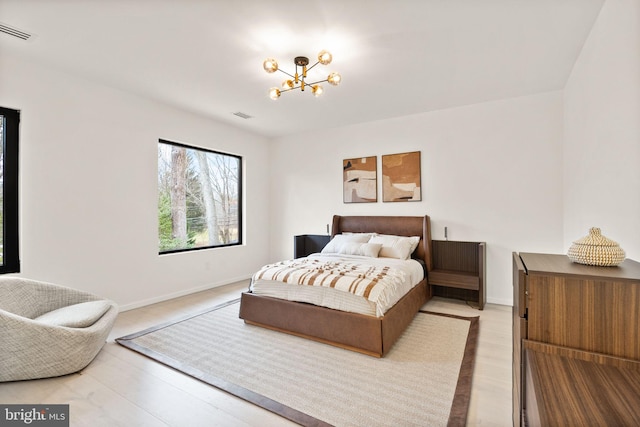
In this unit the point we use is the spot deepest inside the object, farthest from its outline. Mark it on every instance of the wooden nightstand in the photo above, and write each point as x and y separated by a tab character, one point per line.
459	270
306	244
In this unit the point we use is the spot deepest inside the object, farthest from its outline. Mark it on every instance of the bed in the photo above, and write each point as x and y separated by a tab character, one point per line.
366	334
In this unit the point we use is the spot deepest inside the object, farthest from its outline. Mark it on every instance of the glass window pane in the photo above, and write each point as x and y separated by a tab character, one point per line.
2	120
9	215
199	198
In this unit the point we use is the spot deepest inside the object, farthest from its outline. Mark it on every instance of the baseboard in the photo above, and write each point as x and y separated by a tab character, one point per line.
161	298
500	301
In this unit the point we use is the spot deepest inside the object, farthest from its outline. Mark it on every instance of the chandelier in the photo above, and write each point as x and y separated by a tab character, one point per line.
299	80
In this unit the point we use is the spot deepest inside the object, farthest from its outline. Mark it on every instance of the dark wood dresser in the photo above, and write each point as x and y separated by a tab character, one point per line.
576	346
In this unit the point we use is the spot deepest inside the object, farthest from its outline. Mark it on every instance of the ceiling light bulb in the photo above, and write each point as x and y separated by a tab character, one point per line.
324	57
274	93
334	79
287	84
317	90
270	65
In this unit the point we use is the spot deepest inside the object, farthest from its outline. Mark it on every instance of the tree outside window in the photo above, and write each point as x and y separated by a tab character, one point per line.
199	198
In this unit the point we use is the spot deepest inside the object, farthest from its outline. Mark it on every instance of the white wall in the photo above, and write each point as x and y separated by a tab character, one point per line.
602	131
490	172
89	188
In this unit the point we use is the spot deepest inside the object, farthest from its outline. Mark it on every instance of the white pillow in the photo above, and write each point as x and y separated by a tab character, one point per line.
363	249
333	247
77	315
415	240
400	247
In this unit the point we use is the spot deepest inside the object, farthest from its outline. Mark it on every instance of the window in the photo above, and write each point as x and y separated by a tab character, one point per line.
199	198
9	255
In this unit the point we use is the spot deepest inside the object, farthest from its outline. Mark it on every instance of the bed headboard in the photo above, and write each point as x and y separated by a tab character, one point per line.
396	225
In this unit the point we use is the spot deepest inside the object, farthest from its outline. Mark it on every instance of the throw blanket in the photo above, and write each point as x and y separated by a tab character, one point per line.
373	282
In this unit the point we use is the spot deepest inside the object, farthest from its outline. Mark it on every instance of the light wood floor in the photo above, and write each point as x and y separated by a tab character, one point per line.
123	388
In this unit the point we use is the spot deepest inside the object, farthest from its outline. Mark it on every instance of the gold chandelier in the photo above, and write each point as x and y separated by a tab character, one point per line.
298	80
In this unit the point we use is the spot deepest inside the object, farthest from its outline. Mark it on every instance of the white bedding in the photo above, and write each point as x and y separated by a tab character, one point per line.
409	271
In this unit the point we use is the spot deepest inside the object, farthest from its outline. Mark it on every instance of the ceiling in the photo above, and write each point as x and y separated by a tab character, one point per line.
396	58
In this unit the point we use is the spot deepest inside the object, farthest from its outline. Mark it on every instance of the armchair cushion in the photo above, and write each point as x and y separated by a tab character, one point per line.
77	315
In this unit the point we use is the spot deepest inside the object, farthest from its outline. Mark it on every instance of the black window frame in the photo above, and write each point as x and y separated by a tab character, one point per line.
240	199
10	184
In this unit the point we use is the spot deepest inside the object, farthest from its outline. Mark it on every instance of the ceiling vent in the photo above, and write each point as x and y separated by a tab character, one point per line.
242	115
14	32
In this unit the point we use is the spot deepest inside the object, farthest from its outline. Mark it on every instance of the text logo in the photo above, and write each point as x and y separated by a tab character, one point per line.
34	415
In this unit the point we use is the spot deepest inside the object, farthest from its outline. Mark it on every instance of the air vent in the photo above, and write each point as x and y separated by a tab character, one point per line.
14	32
242	115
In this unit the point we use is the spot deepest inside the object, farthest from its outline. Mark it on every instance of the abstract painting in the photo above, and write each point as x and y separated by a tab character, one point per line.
401	177
360	183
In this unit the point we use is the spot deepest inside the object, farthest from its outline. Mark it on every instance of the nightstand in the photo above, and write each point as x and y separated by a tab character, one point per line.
306	244
458	270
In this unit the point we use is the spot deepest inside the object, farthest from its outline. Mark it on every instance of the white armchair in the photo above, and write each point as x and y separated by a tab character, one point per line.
48	330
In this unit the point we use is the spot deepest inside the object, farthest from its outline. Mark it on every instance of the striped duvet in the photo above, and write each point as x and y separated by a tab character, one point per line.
381	282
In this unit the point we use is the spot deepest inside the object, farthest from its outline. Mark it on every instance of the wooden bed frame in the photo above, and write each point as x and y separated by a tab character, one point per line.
366	334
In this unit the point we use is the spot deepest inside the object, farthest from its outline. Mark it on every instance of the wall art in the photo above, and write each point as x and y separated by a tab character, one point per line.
360	182
401	177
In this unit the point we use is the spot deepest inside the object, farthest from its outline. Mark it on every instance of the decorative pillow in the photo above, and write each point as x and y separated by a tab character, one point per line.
77	315
339	239
400	247
363	249
415	240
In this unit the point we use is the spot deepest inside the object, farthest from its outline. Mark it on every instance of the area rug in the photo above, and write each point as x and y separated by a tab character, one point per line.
424	380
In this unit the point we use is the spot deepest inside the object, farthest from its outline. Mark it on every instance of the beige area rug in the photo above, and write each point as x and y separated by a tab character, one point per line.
425	380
